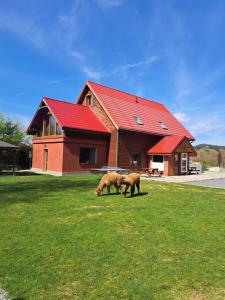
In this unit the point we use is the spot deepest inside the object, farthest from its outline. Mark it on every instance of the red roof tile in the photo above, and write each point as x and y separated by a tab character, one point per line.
121	107
75	116
167	145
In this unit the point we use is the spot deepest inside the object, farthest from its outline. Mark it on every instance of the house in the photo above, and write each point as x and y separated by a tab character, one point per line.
107	127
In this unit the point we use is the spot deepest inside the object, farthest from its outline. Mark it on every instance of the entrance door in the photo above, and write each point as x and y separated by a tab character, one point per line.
158	162
45	160
184	162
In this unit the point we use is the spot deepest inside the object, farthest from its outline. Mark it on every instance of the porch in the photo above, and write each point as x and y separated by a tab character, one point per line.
171	156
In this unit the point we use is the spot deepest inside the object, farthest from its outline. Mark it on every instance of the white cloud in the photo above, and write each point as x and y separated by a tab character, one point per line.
184	83
62	33
109	3
76	54
125	67
181	117
59	80
23	27
23	120
208	125
92	74
23	93
139	91
121	69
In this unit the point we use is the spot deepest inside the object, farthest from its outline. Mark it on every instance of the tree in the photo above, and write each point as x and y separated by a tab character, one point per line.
11	131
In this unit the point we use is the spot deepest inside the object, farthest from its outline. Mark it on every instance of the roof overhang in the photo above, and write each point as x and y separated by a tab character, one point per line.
170	144
86	131
7	146
30	130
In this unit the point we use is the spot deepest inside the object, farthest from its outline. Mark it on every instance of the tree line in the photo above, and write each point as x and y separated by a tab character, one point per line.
13	132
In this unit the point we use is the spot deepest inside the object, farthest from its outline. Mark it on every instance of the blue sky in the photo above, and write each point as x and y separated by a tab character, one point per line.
168	51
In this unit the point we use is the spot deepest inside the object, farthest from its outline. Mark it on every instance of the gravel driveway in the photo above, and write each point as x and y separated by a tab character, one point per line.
214	183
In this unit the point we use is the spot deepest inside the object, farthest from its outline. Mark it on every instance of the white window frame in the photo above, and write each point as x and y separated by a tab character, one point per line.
158	165
184	158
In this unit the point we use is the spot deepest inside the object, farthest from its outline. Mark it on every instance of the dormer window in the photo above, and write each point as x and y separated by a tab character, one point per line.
137	120
162	125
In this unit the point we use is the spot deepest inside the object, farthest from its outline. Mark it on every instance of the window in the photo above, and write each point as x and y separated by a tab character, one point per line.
163	126
47	125
88	156
59	130
136	158
89	100
137	120
40	131
184	162
52	125
157	158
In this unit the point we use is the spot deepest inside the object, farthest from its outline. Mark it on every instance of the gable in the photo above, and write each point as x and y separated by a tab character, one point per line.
186	147
170	144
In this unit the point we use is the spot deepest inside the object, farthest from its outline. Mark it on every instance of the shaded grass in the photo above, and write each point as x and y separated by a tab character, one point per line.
59	241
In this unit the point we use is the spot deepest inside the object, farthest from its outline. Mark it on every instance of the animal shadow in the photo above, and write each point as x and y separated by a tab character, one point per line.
139	195
110	194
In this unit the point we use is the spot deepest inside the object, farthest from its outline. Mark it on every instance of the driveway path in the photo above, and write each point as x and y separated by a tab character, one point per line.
210	179
214	183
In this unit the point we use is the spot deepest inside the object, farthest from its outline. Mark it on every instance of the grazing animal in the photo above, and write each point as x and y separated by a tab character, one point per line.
108	180
131	180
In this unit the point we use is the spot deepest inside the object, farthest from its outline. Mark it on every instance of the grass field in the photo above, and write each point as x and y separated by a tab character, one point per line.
59	241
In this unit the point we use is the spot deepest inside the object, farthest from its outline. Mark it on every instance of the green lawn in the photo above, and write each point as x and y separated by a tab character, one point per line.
59	241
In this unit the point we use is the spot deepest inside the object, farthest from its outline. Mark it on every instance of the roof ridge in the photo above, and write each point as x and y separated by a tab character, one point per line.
58	100
125	92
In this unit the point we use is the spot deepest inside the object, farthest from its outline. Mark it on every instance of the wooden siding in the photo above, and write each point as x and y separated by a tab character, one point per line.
132	142
55	153
186	147
71	153
102	115
169	165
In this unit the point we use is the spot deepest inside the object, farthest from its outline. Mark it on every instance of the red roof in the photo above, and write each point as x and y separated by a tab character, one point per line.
167	145
122	107
75	116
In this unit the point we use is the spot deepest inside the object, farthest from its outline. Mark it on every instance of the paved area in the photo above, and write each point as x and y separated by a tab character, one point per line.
188	178
210	179
214	183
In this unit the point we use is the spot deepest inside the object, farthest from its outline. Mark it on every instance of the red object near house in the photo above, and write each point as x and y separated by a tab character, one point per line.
107	127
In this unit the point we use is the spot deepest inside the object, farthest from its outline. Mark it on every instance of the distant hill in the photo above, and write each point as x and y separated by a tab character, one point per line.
210	155
208	146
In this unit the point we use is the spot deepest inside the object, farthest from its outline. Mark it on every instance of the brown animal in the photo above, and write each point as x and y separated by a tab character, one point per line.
108	180
131	180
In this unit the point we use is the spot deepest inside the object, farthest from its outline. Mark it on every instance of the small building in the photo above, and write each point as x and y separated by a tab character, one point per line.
108	127
11	150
